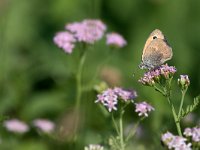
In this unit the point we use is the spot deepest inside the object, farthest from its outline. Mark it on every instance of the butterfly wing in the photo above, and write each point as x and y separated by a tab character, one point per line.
156	53
164	48
154	34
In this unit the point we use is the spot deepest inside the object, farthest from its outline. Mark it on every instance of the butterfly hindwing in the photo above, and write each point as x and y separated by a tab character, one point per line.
152	58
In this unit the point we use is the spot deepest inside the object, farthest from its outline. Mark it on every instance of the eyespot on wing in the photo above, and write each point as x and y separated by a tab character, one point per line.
155	34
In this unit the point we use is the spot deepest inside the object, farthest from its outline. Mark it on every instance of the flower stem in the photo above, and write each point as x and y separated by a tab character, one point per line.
168	95
115	124
181	105
78	92
121	131
79	80
159	90
176	120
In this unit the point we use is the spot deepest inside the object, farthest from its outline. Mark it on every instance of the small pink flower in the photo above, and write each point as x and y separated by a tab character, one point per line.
143	108
114	39
74	27
88	31
175	142
187	132
125	94
179	142
109	97
193	132
196	134
15	125
44	125
167	138
65	40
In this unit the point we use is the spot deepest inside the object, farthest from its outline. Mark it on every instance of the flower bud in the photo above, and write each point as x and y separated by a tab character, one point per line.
184	81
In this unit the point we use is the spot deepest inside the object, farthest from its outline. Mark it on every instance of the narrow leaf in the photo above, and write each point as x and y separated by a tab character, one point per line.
190	108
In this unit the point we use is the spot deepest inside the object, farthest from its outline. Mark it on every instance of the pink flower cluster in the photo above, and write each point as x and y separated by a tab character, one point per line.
153	76
109	98
175	142
88	31
115	39
143	108
17	126
44	125
65	40
194	133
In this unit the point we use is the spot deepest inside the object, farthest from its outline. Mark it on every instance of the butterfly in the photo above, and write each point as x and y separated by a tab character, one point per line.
156	51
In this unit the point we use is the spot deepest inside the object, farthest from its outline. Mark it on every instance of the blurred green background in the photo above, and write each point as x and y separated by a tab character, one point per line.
37	79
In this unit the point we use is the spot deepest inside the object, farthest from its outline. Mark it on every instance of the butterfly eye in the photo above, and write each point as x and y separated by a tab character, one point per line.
154	37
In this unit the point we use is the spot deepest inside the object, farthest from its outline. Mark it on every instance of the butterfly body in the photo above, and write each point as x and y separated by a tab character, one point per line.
156	51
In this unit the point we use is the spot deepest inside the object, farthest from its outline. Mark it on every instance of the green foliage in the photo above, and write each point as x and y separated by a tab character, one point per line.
37	78
190	108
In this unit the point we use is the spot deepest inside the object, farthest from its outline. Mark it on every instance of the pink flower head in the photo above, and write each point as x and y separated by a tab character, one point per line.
143	109
109	97
44	125
188	132
115	39
147	79
194	133
175	142
167	71
167	139
125	94
74	27
65	40
88	30
16	126
179	142
153	76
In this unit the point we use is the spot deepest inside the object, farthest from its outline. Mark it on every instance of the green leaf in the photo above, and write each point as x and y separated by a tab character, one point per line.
190	108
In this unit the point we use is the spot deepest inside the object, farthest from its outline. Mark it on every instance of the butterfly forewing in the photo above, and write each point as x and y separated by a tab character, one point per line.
156	50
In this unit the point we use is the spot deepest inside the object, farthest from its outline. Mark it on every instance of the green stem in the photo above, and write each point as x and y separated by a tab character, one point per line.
176	120
78	92
79	80
159	90
167	90
121	131
181	105
115	124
